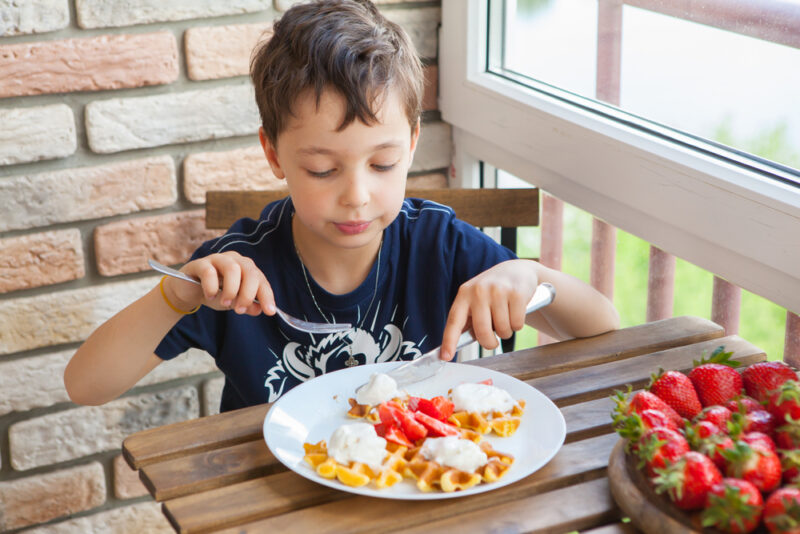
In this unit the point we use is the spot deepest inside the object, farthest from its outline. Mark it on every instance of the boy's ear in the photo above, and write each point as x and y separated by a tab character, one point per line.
414	140
271	153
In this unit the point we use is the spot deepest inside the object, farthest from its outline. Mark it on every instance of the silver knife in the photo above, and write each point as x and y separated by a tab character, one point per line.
429	363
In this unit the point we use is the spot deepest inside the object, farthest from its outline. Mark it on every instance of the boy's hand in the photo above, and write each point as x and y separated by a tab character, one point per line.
227	281
493	301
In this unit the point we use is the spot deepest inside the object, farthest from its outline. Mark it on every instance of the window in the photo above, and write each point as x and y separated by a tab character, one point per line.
690	191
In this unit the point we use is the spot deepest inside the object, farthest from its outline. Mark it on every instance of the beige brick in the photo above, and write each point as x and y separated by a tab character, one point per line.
212	393
111	13
430	99
79	432
125	246
89	64
37	381
244	169
222	51
64	316
36	133
19	17
40	259
142	518
40	498
435	147
427	181
87	192
148	121
127	484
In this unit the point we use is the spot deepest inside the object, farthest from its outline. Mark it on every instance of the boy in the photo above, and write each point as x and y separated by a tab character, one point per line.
339	90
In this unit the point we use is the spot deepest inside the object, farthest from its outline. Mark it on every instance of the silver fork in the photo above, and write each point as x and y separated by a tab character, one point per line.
294	322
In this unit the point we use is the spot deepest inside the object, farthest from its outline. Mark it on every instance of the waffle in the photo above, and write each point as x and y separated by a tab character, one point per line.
504	424
430	476
357	474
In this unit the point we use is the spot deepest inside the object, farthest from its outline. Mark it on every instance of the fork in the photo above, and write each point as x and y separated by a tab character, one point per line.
294	322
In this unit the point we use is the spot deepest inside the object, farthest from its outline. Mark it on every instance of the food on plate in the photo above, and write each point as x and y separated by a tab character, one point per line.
486	408
747	431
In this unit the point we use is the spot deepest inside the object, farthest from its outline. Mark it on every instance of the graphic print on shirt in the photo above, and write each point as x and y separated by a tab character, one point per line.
329	352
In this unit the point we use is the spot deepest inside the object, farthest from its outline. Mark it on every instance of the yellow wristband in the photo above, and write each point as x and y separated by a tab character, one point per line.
171	305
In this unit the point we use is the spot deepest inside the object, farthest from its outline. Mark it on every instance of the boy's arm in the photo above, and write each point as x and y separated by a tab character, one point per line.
495	300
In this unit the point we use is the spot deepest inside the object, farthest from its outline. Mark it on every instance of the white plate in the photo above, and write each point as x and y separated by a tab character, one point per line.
313	410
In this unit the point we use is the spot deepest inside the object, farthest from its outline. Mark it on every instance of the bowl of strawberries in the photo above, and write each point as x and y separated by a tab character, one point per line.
716	449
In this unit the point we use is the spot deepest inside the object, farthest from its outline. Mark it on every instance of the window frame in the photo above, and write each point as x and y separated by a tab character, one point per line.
728	218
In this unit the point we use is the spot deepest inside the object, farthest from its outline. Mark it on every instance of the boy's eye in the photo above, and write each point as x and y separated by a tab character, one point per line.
383	168
321	174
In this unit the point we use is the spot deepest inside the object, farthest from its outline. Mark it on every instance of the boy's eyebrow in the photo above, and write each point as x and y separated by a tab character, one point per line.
326	151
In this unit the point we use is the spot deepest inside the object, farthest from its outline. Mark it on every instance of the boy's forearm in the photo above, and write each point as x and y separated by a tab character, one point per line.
578	310
120	352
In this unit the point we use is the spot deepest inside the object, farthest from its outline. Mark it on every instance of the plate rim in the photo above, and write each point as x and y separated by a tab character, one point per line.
378	493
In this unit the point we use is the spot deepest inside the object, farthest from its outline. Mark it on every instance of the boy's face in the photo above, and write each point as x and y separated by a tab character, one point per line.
346	186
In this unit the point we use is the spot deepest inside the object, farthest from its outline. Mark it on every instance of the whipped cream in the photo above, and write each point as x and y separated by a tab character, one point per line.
357	442
481	398
381	387
455	452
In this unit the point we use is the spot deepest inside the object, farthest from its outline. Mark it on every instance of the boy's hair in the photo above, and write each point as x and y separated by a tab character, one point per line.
344	45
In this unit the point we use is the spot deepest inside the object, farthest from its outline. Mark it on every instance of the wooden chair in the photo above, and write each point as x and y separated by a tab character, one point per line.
504	208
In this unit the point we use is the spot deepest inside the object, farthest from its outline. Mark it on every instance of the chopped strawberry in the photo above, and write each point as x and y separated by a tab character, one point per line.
660	446
688	480
782	511
391	412
755	464
435	427
437	407
761	379
734	506
675	388
394	434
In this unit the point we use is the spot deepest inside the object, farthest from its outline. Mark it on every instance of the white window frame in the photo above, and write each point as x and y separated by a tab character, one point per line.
723	217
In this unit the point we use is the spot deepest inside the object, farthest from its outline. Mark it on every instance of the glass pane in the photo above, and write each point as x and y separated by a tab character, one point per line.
723	72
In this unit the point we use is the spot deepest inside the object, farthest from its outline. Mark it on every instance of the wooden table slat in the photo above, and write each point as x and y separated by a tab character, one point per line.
575	507
601	380
612	346
238	504
614	528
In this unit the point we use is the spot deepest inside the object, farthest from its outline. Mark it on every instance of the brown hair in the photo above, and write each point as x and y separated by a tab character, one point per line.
344	45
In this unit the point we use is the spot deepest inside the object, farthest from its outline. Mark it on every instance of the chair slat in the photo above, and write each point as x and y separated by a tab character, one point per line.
479	207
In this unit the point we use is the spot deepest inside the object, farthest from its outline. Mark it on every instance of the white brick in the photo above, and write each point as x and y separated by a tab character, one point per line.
212	393
32	16
33	134
421	25
435	147
144	517
38	381
111	13
87	192
79	432
65	316
128	123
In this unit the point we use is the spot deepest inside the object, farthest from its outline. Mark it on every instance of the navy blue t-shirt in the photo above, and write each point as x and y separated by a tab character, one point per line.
426	255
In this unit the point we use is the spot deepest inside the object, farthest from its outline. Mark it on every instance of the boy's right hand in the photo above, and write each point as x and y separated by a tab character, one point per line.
227	281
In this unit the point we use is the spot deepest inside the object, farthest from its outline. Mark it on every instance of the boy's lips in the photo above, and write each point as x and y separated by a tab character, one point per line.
352	227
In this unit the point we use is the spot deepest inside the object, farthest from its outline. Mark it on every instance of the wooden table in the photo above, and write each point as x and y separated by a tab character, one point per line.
215	474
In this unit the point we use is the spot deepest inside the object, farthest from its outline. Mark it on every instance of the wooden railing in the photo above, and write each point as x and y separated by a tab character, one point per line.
774	21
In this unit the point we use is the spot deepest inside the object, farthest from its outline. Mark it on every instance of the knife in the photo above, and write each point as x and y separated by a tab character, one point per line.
429	363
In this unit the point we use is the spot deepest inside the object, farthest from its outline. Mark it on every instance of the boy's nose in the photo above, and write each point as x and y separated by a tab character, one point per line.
356	191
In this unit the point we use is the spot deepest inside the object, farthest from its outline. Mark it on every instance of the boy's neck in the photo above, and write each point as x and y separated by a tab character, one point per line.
337	270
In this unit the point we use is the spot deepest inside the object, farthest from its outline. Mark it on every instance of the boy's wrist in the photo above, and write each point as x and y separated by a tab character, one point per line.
173	300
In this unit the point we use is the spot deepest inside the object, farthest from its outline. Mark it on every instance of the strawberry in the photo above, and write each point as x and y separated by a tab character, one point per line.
733	506
759	440
675	388
787	436
743	404
760	379
719	415
644	400
785	401
782	511
755	464
707	438
715	380
759	421
688	480
659	447
632	425
790	463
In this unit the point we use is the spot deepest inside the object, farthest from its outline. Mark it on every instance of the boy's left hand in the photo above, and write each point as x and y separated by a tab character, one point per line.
491	302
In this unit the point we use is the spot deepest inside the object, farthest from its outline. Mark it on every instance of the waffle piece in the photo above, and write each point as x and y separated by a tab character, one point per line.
363	411
503	424
357	474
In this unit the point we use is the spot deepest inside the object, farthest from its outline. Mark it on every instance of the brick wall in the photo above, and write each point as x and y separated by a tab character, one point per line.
115	119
